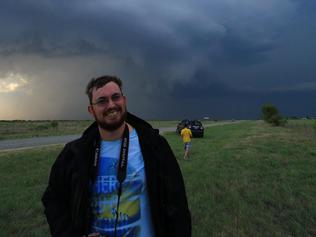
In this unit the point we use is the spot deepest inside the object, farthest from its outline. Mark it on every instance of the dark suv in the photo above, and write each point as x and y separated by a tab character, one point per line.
195	126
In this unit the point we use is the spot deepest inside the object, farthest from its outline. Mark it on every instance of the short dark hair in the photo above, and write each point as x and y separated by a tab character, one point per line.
100	82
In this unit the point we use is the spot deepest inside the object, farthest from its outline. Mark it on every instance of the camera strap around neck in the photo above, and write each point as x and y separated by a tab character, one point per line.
122	165
121	171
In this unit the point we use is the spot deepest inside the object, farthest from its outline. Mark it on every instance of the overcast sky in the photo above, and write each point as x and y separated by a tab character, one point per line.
177	59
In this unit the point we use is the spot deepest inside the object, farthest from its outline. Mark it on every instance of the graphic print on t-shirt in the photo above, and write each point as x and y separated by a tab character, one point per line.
134	215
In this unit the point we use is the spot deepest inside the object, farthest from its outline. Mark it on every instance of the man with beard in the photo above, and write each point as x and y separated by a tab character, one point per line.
119	179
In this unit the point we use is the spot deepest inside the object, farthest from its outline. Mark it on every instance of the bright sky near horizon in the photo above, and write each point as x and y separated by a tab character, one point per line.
178	59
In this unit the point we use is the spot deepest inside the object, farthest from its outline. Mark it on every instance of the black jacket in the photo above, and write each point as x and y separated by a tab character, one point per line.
66	199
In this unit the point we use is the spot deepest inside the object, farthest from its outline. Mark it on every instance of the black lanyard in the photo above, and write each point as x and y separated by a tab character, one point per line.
122	166
121	169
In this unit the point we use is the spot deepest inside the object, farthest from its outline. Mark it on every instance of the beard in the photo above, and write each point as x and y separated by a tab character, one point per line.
112	126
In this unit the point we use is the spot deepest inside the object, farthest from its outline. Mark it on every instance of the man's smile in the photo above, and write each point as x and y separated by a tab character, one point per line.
112	113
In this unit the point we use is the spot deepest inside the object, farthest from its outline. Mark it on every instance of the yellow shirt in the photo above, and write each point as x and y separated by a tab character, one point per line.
186	135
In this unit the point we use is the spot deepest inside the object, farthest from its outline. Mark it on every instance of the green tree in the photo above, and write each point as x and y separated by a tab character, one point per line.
270	114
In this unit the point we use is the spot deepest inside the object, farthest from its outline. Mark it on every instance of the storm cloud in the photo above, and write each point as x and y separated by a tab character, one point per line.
177	59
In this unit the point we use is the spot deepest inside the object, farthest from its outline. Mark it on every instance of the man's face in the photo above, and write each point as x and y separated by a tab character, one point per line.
108	106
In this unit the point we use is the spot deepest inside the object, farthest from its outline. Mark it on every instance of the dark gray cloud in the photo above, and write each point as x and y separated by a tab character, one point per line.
220	57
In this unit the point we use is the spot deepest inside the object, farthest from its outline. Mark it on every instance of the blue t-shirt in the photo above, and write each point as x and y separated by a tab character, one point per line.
134	211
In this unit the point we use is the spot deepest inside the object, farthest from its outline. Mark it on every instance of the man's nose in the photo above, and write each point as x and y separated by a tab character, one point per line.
111	103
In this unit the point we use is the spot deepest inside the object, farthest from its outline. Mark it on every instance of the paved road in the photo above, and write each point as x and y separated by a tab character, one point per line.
26	143
13	144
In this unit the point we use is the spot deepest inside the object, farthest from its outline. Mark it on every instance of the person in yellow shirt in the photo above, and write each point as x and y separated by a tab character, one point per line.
186	135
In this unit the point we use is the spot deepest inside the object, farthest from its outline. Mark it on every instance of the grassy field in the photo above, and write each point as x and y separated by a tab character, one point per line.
31	128
246	179
251	179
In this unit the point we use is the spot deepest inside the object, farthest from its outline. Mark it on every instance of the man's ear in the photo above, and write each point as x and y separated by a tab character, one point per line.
90	109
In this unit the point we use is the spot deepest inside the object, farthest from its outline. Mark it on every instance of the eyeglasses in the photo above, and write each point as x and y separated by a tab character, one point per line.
104	101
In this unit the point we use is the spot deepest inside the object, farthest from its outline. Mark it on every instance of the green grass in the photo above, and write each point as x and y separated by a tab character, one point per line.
26	129
23	178
245	179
